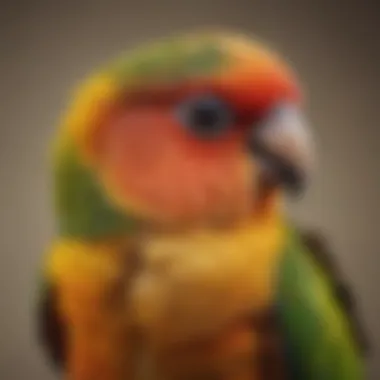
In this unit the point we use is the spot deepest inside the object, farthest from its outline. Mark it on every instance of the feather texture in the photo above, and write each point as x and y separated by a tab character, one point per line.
315	324
82	209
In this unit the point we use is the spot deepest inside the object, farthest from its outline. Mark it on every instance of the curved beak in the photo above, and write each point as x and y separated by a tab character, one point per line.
282	144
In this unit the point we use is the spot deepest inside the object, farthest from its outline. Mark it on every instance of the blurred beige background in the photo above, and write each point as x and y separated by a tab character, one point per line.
47	46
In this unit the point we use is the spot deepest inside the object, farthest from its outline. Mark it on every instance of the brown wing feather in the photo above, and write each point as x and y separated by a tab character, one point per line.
50	329
321	252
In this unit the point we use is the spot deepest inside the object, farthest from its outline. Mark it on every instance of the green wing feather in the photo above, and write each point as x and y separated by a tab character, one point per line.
316	326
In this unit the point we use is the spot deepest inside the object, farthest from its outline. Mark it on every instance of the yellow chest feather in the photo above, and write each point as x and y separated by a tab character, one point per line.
195	284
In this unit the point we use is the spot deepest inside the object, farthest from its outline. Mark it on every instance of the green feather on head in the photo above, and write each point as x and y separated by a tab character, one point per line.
82	209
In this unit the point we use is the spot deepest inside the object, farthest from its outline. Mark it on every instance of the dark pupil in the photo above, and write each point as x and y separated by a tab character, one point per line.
205	117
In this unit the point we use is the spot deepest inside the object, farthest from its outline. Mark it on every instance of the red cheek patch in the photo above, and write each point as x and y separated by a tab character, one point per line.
152	159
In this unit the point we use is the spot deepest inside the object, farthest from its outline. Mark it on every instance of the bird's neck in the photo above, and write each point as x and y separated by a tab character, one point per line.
234	267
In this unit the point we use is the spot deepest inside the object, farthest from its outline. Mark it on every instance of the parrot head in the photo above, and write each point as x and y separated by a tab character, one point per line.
201	128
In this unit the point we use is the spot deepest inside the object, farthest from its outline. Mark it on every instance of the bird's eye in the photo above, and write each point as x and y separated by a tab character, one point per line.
205	116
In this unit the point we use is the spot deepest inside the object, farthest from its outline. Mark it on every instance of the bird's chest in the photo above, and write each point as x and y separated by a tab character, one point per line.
192	286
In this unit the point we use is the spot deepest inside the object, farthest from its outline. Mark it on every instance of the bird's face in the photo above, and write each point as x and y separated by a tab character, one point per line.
213	149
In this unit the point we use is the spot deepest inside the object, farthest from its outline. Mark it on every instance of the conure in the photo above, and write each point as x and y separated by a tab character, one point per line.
174	257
